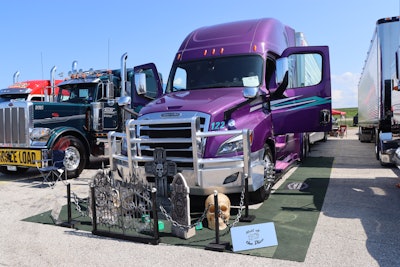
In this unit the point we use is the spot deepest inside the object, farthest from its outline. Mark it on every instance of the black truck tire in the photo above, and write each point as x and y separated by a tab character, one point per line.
305	146
75	157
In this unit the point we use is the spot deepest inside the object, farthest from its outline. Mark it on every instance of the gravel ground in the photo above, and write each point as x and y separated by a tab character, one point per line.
358	225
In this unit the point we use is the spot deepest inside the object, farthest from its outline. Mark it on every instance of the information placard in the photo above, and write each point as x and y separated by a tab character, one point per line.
253	236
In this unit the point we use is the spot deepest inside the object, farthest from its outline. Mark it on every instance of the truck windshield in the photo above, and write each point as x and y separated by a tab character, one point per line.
5	98
235	71
77	93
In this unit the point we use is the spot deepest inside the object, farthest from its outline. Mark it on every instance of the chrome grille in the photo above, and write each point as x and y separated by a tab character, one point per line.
14	120
177	135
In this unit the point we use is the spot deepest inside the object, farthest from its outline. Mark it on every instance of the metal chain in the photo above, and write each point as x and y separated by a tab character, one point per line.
76	201
239	214
184	227
187	227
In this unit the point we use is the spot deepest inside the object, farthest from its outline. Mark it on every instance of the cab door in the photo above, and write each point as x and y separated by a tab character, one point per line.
153	86
302	101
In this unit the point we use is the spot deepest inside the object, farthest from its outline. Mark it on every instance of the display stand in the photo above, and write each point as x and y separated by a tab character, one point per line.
69	223
246	217
217	246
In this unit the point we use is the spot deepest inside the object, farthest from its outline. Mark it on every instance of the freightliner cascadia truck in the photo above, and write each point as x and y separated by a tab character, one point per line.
239	99
378	91
86	108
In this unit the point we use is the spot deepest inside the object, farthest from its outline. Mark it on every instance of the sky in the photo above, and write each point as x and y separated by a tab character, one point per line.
38	35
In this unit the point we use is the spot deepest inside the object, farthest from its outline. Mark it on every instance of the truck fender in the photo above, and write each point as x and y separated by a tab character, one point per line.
63	131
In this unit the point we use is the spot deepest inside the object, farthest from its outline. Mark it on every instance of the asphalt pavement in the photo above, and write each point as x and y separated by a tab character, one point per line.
358	225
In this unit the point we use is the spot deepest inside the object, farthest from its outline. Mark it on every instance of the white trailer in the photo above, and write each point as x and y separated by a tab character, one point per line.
378	94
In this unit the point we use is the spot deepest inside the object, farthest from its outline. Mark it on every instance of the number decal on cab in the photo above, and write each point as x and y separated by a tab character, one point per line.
215	126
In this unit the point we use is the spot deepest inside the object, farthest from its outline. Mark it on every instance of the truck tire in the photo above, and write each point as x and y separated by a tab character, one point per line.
261	194
75	157
305	146
377	147
325	137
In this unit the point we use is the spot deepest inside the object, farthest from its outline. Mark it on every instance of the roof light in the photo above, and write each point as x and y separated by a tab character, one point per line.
178	56
221	50
205	52
213	51
254	48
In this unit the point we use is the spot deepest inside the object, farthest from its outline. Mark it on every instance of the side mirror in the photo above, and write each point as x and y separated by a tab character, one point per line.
124	101
110	90
250	92
282	67
140	83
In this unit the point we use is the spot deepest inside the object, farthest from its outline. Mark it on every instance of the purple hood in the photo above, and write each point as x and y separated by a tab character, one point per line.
211	101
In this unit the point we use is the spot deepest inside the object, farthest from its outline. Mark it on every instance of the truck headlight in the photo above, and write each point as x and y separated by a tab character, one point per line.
232	145
40	134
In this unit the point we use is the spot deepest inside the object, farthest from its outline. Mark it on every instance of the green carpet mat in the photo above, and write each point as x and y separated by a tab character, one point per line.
294	209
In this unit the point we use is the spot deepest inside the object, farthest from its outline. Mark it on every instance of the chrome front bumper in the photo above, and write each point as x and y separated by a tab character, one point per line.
226	175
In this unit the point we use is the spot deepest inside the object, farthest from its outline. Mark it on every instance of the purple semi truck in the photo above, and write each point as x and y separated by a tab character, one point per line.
238	104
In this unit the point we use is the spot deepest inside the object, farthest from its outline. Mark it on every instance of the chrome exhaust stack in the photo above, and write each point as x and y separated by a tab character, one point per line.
52	85
74	66
15	77
123	74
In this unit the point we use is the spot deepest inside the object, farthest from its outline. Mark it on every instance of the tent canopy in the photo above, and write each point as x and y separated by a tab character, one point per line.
338	112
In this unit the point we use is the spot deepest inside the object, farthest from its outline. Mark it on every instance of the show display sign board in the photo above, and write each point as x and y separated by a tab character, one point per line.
253	236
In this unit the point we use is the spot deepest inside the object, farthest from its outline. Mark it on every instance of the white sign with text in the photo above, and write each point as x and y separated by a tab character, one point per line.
253	236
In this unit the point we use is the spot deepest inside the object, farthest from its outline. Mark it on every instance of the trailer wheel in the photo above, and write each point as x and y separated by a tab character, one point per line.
75	157
263	192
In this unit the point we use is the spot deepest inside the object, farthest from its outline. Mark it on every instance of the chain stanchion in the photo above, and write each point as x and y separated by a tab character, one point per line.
93	205
246	217
155	215
217	246
69	223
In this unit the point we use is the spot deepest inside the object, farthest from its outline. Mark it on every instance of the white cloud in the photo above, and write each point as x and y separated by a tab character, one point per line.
178	81
345	90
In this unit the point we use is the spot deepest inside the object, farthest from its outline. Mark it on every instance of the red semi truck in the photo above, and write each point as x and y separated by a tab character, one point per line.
31	90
